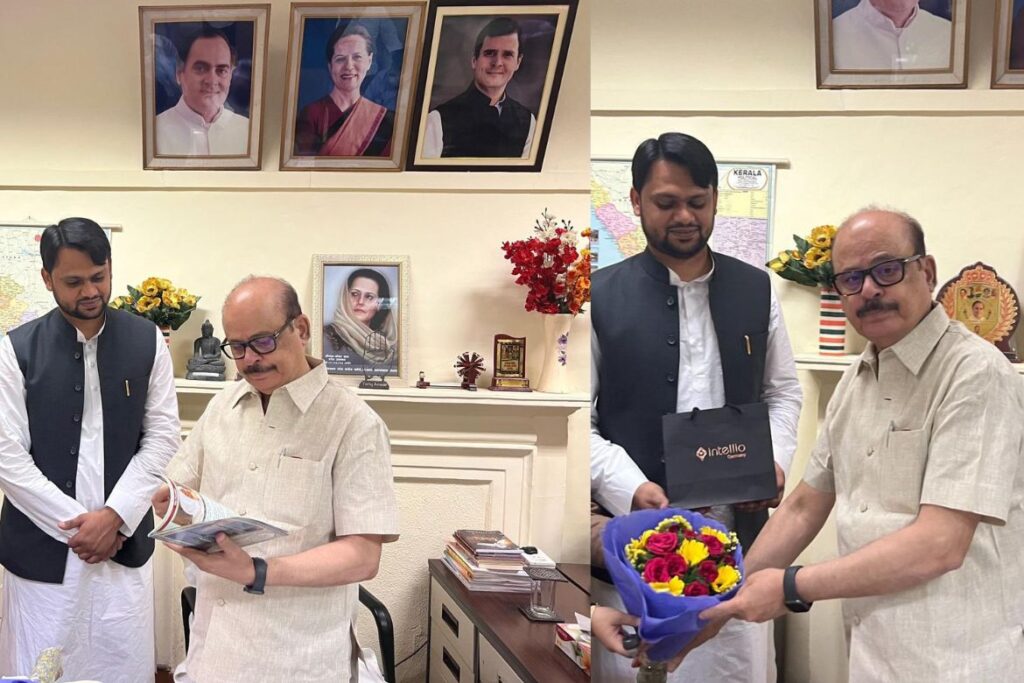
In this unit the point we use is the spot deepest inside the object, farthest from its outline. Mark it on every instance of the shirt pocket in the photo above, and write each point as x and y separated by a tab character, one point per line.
904	459
293	490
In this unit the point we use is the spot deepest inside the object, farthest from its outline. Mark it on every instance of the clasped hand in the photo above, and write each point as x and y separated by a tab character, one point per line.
98	538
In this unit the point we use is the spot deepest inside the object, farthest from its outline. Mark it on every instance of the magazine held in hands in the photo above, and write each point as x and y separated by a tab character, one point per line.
194	520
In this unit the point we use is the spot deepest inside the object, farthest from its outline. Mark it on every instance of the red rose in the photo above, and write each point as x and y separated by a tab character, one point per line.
656	571
715	547
708	570
729	560
663	543
696	588
676	565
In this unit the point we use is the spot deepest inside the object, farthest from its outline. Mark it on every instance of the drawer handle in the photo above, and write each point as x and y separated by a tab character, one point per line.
449	619
452	665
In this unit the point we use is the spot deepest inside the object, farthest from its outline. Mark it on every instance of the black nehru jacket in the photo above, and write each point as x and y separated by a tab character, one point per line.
52	362
635	315
471	127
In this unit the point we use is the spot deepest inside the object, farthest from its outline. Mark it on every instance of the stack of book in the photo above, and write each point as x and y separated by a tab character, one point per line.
486	561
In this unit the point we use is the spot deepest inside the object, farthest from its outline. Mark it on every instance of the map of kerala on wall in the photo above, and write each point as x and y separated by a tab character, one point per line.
743	225
23	296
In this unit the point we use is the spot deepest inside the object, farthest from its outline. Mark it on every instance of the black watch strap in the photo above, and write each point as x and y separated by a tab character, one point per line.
256	587
794	603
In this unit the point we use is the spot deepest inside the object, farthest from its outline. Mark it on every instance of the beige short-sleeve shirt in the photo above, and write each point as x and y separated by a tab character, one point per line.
937	419
317	464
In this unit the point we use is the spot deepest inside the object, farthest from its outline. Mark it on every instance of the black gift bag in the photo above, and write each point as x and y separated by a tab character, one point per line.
719	456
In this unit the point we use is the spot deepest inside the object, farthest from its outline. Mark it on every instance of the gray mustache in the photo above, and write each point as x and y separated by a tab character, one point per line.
876	305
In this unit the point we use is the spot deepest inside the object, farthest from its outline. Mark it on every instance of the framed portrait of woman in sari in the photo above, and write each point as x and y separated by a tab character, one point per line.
360	315
351	72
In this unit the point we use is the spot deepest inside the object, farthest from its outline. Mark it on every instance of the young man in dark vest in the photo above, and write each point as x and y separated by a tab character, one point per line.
88	421
676	327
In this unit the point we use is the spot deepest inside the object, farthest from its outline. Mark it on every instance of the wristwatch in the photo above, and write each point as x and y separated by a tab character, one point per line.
794	603
256	587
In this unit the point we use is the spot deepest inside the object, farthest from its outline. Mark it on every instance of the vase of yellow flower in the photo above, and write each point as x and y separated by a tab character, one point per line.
157	299
811	264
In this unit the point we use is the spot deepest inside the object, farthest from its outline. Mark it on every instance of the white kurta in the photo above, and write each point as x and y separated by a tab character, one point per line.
864	39
182	132
102	615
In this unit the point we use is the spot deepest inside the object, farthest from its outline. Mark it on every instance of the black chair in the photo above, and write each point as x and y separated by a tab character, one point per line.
381	616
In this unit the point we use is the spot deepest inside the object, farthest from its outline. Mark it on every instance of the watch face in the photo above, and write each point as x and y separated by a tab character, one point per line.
797	606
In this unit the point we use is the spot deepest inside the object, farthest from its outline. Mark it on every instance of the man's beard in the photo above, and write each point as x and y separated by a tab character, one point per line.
82	315
665	246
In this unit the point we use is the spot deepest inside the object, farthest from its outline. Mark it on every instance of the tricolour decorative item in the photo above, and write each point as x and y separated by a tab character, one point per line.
866	44
558	278
351	74
360	315
1008	45
811	264
203	69
490	78
985	303
157	299
509	364
469	366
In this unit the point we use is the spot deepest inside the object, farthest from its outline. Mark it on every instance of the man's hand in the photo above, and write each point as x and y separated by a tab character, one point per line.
606	625
760	599
233	563
161	499
758	505
97	538
649	495
705	634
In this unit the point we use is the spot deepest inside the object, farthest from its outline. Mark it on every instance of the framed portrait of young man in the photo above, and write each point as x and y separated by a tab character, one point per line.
891	43
360	315
203	69
351	73
489	84
1008	45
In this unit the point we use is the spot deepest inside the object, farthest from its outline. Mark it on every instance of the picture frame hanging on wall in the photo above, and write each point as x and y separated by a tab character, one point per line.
352	70
360	315
488	86
1008	45
921	45
203	74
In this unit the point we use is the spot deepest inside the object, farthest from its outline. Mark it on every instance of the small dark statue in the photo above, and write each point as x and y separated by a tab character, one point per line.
206	362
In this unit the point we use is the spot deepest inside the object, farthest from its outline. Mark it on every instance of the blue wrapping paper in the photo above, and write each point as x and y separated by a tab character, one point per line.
667	622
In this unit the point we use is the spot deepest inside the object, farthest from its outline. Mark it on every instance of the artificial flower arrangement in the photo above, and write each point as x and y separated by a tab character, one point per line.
158	300
811	262
556	273
669	566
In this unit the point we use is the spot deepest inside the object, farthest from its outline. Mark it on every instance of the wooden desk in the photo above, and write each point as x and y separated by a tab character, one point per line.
469	630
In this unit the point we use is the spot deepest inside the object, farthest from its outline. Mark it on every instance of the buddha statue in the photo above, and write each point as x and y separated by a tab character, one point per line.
206	362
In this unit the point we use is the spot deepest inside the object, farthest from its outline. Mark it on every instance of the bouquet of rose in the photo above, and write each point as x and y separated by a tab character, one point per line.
669	566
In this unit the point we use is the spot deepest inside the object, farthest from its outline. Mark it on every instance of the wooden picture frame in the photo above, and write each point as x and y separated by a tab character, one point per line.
360	335
456	126
859	47
352	111
1008	45
203	74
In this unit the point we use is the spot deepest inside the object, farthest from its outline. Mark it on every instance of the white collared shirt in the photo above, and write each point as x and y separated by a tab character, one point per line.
614	476
864	38
182	132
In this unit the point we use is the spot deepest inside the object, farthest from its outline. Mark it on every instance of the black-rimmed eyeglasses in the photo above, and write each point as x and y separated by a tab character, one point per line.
261	344
885	274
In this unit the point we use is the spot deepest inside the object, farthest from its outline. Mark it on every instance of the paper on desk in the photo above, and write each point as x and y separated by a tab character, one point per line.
583	621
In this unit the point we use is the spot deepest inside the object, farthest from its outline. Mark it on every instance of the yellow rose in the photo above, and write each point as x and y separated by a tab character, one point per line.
674	586
693	551
822	235
189	300
783	257
150	282
727	578
116	303
146	303
162	283
150	290
777	265
171	299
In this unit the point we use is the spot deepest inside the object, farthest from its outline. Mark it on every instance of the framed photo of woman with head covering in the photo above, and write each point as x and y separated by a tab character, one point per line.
360	315
351	71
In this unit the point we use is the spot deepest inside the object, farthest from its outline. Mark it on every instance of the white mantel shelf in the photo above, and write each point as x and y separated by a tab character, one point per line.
435	396
811	361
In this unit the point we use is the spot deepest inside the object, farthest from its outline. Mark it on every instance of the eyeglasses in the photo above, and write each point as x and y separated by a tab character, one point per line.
885	274
261	344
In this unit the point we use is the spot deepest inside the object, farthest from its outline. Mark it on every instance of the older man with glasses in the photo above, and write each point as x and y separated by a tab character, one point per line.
290	447
920	455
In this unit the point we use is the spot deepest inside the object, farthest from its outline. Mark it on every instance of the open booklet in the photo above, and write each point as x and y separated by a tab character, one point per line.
194	520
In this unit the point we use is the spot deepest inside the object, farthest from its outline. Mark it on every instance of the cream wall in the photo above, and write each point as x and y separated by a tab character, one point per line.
70	144
740	76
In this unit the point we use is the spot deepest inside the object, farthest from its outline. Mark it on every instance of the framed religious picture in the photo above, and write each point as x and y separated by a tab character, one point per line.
489	83
203	70
985	303
351	72
1008	45
905	44
360	315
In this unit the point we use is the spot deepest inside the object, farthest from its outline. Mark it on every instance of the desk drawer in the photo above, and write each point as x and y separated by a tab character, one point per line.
449	619
446	665
494	669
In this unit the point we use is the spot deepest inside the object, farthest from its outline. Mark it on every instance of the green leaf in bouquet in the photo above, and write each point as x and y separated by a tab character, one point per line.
136	294
801	244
